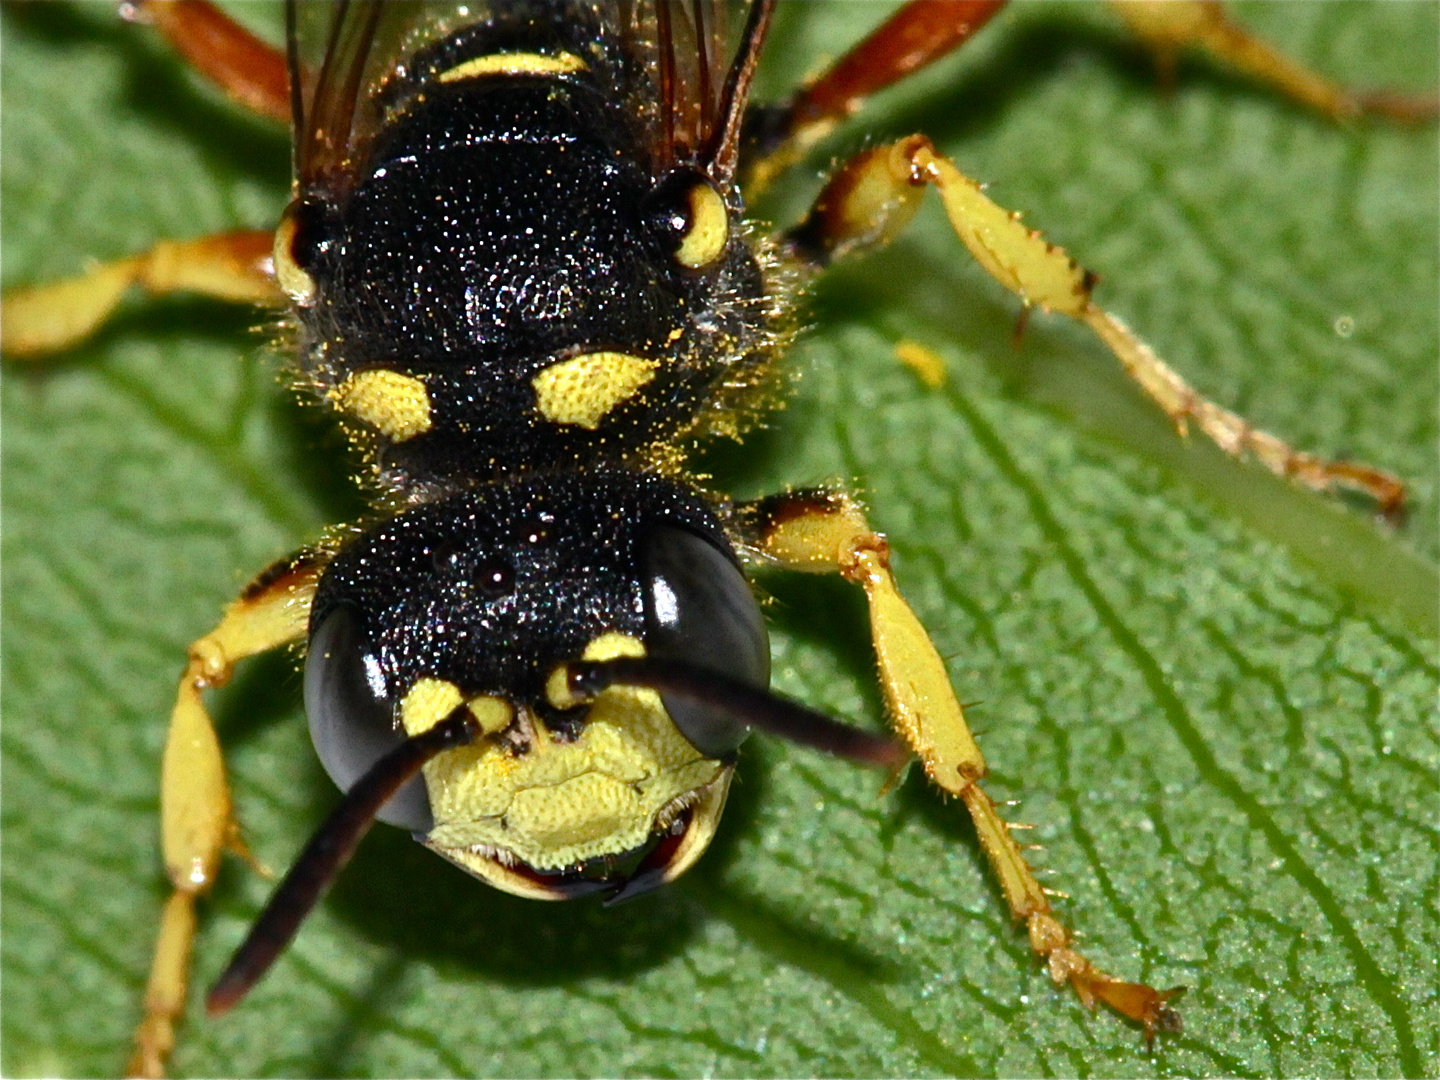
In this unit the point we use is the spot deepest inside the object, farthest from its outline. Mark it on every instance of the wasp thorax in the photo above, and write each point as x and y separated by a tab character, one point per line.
534	302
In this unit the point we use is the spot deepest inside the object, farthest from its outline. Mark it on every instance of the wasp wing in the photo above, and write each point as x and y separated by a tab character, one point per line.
681	66
699	57
341	54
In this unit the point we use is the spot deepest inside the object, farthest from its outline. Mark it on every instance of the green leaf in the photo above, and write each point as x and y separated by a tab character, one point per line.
1213	693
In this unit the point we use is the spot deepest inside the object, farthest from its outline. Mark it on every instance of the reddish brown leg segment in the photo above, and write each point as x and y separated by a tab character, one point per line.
912	38
923	31
251	72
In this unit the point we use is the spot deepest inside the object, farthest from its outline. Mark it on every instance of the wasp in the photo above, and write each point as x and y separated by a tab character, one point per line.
556	495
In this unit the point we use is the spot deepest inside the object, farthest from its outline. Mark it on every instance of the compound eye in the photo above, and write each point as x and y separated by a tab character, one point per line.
700	609
352	720
691	218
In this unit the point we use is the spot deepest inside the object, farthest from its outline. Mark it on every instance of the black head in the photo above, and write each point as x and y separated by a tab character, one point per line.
481	599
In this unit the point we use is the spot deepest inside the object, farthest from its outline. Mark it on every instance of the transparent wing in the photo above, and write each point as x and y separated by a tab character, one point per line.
682	66
702	54
687	47
342	54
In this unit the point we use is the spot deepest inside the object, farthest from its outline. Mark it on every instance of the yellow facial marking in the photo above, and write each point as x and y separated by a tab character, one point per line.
557	689
609	646
428	702
431	700
516	63
396	405
563	802
491	713
583	389
605	647
293	281
709	228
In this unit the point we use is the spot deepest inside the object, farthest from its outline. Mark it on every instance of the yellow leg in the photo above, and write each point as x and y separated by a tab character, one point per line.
196	820
1170	25
820	532
876	193
46	318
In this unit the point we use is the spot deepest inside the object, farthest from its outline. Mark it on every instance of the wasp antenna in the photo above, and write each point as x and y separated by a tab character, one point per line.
725	148
292	65
666	77
327	852
747	704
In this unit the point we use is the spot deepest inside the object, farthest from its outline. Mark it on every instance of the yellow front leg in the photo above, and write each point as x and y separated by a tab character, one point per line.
196	819
826	531
875	194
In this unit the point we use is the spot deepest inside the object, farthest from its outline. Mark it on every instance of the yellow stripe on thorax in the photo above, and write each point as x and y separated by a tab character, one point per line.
515	63
395	404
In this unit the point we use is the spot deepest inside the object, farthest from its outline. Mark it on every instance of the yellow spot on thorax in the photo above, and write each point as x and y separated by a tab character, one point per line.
928	365
396	405
514	63
583	389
